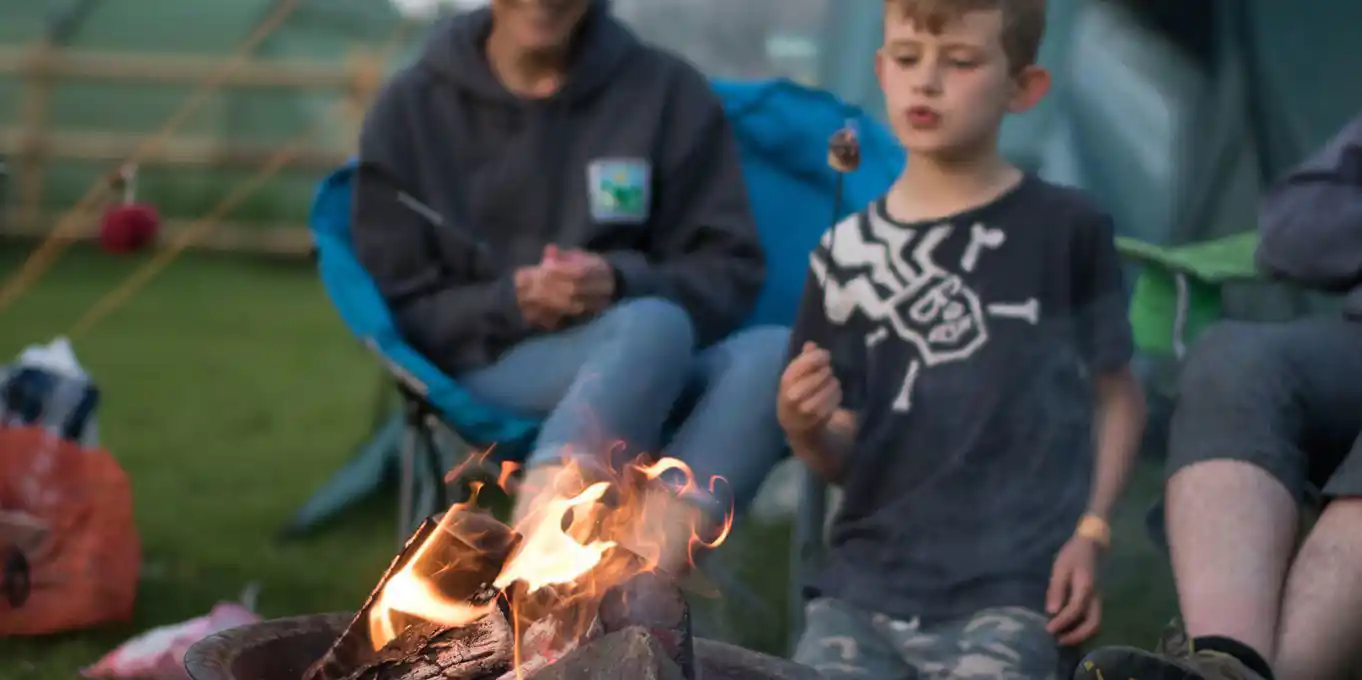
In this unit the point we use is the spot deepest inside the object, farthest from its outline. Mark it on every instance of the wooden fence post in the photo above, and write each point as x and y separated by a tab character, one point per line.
36	109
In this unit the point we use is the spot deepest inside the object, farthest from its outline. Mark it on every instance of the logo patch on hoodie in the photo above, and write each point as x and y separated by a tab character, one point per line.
620	189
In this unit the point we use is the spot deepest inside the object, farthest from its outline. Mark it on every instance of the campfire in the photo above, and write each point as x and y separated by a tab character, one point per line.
471	598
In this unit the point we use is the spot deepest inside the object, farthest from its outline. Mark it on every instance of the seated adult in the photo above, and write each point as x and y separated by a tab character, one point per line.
556	215
1266	412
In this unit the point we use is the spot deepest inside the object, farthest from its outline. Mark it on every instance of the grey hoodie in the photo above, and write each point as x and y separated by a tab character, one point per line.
1311	222
461	182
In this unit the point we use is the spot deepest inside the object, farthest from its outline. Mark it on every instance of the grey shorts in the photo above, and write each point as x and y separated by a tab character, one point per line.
1009	643
1286	397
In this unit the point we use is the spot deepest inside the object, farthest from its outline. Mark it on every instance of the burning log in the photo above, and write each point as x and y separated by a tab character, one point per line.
469	598
470	553
476	651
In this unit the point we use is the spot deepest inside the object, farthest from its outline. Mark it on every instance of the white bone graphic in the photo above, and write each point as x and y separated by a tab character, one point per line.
1028	311
904	402
980	237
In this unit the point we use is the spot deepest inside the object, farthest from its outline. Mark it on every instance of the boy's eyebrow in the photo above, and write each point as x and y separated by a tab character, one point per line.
951	45
904	42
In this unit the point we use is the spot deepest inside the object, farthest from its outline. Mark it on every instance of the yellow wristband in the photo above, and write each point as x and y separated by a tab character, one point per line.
1095	529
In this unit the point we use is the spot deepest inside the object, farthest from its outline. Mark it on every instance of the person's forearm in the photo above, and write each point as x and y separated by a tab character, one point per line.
827	450
1119	428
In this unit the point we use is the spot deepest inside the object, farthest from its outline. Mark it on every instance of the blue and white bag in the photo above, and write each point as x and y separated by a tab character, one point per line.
46	387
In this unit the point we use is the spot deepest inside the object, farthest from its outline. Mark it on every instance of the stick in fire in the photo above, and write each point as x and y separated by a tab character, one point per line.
464	565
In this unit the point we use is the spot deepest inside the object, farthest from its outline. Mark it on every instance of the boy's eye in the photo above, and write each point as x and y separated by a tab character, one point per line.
906	59
963	63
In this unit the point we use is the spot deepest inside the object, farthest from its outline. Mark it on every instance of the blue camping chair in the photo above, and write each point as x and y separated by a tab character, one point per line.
782	131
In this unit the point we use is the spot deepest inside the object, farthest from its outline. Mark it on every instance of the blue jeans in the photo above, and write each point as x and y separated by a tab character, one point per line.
631	374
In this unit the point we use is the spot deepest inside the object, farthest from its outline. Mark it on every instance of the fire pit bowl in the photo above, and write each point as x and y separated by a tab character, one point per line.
283	649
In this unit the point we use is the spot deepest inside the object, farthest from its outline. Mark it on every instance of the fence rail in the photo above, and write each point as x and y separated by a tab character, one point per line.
273	240
32	143
158	69
103	147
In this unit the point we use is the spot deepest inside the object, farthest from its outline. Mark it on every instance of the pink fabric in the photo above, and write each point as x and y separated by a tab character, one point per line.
158	654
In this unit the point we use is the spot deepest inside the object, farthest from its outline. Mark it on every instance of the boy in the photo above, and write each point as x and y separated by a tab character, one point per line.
952	338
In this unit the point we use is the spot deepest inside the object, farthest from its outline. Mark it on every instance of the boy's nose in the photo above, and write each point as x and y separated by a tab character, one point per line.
928	82
927	78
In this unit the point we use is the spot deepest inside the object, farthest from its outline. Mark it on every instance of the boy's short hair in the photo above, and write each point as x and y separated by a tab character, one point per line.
1023	21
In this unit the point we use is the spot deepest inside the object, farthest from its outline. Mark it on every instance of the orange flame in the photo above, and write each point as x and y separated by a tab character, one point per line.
580	536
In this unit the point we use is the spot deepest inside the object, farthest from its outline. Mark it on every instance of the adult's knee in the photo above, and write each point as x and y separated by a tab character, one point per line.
653	327
756	357
1232	366
1233	403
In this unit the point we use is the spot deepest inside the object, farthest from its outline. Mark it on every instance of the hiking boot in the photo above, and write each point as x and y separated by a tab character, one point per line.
1173	659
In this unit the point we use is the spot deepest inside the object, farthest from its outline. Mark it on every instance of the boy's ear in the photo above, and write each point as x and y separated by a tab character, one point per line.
1031	85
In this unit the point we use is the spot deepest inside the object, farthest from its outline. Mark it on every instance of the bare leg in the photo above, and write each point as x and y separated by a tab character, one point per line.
1263	410
1231	530
1321	623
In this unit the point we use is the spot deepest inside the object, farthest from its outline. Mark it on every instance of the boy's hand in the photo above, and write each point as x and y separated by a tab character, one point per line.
809	392
1073	603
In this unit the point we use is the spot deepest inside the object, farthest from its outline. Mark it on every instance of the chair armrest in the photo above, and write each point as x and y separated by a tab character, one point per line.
1179	289
1215	261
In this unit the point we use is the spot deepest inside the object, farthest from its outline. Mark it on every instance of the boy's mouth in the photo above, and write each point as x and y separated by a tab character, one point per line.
923	118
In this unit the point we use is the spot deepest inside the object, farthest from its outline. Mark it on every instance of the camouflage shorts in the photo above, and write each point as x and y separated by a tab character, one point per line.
1008	643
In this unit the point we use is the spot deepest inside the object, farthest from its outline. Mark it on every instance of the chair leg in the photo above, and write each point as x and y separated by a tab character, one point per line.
434	465
406	483
806	545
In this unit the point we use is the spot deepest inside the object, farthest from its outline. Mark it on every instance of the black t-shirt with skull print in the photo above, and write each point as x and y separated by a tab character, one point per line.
966	346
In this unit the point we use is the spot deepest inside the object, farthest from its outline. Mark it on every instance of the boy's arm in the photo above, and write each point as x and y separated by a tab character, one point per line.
827	450
1106	342
1118	429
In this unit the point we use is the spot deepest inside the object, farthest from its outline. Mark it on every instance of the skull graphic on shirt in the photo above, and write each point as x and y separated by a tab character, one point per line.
901	288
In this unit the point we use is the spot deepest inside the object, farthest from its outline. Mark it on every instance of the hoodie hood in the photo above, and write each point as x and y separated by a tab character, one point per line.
455	53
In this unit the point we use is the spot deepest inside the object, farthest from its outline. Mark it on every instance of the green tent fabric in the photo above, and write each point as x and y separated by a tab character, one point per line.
1179	290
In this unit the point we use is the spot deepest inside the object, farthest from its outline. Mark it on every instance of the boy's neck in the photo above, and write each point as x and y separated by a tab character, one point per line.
934	187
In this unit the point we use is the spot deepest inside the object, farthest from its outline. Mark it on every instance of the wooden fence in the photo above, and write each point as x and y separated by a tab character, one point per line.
32	143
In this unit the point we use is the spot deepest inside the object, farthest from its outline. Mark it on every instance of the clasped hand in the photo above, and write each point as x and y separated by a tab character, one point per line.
564	285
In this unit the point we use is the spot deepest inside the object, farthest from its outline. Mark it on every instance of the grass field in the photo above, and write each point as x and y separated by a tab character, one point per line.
231	390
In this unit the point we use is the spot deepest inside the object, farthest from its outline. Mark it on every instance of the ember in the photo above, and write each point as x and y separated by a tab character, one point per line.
470	598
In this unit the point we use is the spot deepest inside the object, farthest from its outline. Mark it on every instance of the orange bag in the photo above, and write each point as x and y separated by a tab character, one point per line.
84	572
